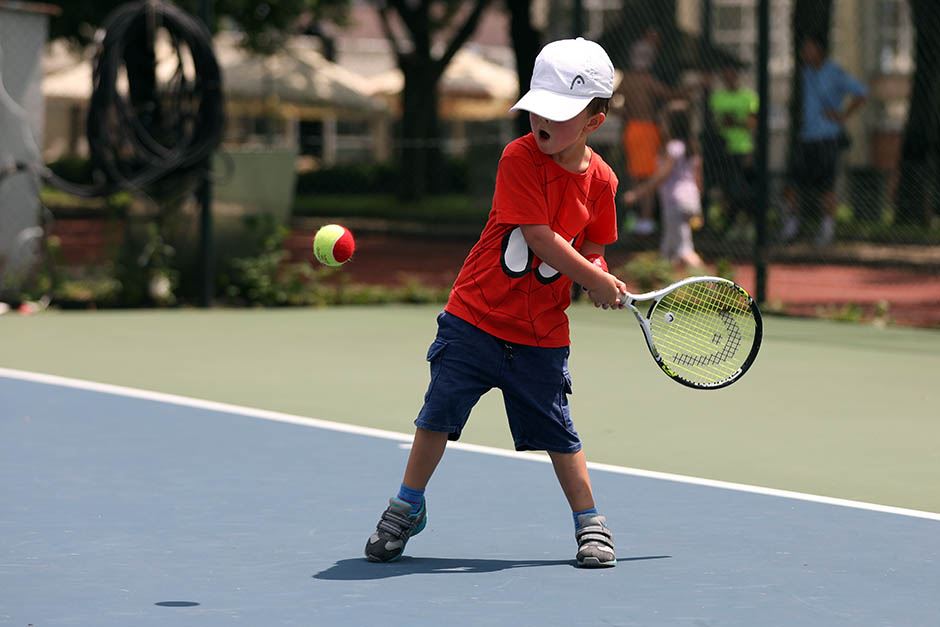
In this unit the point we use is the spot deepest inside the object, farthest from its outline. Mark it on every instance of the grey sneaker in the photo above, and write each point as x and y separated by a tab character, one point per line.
394	528
595	542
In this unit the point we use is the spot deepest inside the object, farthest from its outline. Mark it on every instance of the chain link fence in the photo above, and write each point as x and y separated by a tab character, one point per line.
852	112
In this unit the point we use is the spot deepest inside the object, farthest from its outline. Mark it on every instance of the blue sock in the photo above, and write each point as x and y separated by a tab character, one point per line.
575	515
415	497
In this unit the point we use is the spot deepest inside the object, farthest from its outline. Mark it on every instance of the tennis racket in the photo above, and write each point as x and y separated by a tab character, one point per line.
703	332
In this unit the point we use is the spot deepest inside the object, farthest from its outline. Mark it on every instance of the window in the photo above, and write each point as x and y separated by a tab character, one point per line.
895	37
734	28
600	14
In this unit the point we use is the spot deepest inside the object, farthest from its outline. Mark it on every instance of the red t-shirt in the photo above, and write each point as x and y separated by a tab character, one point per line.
502	287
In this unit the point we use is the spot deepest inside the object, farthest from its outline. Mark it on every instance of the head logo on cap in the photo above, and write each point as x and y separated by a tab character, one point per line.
568	74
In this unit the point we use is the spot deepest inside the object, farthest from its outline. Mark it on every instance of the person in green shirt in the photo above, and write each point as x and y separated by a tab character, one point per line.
734	112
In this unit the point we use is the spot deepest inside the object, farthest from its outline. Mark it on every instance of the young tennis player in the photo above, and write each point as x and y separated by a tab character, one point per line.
504	325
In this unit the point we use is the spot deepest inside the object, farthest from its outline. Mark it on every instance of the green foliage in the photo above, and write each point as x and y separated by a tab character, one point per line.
99	290
265	277
725	269
376	178
265	24
849	312
145	267
73	169
431	210
359	178
646	272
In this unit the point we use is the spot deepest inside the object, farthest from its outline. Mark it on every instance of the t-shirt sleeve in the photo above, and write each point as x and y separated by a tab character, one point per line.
519	197
848	84
675	149
603	229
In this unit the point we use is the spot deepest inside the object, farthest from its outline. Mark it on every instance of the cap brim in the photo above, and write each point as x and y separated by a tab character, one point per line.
552	106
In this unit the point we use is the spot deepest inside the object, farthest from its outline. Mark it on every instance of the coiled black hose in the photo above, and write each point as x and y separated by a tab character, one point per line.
179	123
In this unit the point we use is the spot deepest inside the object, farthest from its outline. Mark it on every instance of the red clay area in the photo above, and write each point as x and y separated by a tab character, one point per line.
909	297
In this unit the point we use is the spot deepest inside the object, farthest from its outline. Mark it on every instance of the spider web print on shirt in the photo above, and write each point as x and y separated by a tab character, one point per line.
503	288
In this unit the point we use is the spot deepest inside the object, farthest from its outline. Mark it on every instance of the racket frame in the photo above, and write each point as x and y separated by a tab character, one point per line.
656	296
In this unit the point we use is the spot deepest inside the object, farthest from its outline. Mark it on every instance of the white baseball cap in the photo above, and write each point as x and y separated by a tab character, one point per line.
568	74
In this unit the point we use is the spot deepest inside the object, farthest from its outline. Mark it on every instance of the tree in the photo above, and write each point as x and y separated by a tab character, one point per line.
920	151
526	43
425	22
264	23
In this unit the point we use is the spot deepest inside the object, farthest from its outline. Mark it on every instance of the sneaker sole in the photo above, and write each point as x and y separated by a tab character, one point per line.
593	562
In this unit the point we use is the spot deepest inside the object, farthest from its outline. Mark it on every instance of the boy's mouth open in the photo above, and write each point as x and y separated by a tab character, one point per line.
544	135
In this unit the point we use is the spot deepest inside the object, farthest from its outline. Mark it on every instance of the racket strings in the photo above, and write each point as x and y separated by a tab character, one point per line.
700	328
693	349
727	352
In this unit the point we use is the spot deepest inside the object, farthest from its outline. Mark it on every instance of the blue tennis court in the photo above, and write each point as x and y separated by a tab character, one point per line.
130	508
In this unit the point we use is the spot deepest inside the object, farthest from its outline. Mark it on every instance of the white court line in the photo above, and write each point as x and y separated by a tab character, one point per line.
264	414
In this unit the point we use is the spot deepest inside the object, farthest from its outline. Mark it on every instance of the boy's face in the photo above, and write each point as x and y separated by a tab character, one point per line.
554	137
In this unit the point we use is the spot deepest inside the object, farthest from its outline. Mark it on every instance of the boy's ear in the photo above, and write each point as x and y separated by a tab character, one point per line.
595	121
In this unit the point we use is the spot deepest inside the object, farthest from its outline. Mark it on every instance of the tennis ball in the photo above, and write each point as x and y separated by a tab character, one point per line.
333	245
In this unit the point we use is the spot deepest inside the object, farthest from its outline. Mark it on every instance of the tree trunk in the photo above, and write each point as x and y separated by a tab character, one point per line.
525	43
810	18
421	154
920	152
420	149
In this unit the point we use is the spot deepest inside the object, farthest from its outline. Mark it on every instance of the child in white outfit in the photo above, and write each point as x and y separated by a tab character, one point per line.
678	182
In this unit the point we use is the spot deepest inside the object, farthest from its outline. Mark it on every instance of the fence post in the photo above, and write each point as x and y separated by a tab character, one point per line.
204	199
763	140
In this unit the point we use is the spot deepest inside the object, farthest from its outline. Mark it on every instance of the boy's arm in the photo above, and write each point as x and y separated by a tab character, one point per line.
604	289
589	248
699	174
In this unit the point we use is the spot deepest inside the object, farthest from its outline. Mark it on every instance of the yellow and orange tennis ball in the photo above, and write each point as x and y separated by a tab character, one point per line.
333	245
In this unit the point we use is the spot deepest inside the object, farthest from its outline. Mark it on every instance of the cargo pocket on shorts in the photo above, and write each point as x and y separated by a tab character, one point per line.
566	387
435	358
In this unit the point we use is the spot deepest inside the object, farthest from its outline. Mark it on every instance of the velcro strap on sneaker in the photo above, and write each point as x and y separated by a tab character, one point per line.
594	533
395	523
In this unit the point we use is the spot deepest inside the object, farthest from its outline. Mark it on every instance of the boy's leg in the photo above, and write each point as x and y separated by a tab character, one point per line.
407	515
791	217
571	470
459	369
827	224
426	452
595	541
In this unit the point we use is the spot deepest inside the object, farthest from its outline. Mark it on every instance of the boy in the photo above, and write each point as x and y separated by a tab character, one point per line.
504	324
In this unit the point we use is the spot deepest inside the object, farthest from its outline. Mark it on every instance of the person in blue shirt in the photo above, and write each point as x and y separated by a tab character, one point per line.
830	96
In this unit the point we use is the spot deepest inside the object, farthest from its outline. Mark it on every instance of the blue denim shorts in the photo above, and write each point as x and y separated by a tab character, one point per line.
467	362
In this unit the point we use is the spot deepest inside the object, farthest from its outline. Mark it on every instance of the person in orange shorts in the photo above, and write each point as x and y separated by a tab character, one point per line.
641	95
641	143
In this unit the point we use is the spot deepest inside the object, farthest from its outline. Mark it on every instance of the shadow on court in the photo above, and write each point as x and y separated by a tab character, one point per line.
360	569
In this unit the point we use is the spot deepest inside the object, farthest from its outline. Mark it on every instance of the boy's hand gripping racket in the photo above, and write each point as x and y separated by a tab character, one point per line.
704	332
